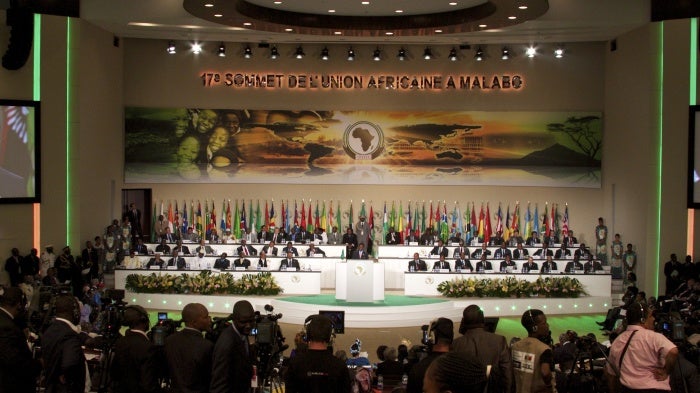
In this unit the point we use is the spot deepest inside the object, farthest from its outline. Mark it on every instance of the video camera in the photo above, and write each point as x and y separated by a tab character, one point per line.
112	314
164	328
269	342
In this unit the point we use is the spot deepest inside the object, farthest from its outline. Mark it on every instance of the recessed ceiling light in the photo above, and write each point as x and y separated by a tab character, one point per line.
482	26
438	30
512	17
278	2
389	33
218	15
398	11
247	24
331	11
452	3
196	48
288	29
522	7
365	3
337	32
208	5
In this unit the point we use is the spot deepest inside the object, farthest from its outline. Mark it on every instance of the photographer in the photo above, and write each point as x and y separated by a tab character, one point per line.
232	366
135	349
442	331
317	370
18	370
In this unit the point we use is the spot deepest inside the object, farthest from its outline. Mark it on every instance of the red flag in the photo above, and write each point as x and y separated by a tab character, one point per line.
317	219
228	216
303	215
545	222
430	223
499	221
550	227
296	214
212	219
267	214
487	225
371	219
283	224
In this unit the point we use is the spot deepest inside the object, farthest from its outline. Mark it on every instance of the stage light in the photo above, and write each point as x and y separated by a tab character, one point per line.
559	52
479	54
377	55
299	53
222	50
402	54
427	54
324	54
248	53
171	48
273	53
531	51
351	54
453	54
196	48
505	53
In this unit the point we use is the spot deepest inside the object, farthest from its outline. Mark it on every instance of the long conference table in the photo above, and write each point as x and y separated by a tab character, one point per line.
319	272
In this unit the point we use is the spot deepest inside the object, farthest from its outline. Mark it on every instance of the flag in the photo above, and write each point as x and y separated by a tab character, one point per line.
370	222
515	222
422	226
528	218
243	219
303	214
258	216
153	222
409	222
392	215
481	223
566	220
475	225
317	217
416	227
363	212
487	224
228	216
176	222
237	222
454	218
193	218
444	228
545	222
206	218
271	223
310	225
185	224
200	227
518	226
288	219
468	228
506	227
438	218
337	218
536	221
267	214
431	224
331	216
212	222
250	222
171	216
499	221
350	216
555	228
399	227
283	216
385	226
223	217
296	215
324	218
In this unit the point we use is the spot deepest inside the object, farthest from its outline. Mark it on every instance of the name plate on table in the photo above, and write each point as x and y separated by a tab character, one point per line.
534	271
440	270
318	255
412	243
489	271
152	267
217	271
240	268
554	272
600	272
171	268
453	244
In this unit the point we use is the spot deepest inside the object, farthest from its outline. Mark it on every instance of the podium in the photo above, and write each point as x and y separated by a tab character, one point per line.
359	280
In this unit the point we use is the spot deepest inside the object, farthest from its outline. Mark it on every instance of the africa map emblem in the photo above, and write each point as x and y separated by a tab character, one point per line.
363	140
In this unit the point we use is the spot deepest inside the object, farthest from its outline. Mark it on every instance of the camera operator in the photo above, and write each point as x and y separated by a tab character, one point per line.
135	349
442	331
317	370
641	358
188	353
61	347
232	365
18	370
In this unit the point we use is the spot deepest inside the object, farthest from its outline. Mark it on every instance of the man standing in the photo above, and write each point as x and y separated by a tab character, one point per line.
362	231
18	370
350	241
31	263
443	331
12	266
640	357
601	241
490	348
533	360
317	370
232	365
672	271
135	349
334	236
134	216
188	354
360	253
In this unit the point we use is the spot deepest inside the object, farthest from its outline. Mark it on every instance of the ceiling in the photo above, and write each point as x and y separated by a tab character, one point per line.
421	21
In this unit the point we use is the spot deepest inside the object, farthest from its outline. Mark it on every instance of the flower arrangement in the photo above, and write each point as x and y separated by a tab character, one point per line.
205	283
512	287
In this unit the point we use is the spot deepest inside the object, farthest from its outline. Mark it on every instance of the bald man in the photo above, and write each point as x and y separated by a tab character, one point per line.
187	352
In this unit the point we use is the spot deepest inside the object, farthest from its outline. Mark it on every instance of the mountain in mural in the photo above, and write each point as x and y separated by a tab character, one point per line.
557	155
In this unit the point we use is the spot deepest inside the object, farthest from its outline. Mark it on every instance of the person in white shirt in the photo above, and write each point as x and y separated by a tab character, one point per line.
132	261
200	262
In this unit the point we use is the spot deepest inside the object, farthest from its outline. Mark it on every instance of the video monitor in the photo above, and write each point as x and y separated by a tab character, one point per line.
338	319
19	151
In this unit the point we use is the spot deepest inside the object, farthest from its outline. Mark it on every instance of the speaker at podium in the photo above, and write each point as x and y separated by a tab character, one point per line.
359	280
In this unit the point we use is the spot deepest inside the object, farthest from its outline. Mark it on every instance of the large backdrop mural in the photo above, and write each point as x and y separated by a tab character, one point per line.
557	149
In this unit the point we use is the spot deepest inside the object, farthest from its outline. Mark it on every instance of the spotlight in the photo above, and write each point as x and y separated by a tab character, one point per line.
324	54
559	53
351	54
531	51
453	54
273	53
299	53
171	48
427	54
377	55
248	53
505	53
402	54
479	54
196	48
222	50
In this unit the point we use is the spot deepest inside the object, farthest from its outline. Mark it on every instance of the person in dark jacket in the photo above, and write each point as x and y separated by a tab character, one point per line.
18	370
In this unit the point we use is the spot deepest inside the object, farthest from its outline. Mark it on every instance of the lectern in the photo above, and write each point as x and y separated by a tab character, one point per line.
359	280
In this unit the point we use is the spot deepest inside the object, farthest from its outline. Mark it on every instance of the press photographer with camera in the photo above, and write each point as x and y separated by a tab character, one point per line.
18	369
317	370
439	338
135	349
232	364
189	354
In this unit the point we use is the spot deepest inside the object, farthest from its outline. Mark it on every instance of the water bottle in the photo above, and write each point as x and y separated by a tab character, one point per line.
380	382
404	380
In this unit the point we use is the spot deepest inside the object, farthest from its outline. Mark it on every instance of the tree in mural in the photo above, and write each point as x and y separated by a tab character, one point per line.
583	132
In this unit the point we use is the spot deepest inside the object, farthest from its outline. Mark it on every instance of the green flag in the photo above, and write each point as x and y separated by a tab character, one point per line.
337	219
237	222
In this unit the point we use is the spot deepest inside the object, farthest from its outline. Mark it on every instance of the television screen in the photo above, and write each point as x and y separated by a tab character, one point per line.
338	319
19	151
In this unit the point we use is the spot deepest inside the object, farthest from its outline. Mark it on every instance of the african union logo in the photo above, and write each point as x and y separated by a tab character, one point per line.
296	279
363	140
429	280
360	270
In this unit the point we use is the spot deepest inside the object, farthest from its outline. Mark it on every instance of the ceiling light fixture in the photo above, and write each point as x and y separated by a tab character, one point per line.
479	54
324	54
222	50
427	54
531	51
196	48
248	53
171	48
299	53
274	54
559	52
505	53
351	54
453	54
208	5
377	55
402	54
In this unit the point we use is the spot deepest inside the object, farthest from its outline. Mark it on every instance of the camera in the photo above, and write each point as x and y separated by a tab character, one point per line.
269	342
112	315
164	328
266	329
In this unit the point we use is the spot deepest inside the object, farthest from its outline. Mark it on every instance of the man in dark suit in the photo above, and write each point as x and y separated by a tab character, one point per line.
592	266
313	250
140	248
241	263
163	247
543	252
574	265
417	264
520	252
246	249
462	263
134	216
460	249
61	348
502	251
360	253
562	252
177	261
12	266
533	239
483	264
350	241
412	237
262	261
156	261
530	265
135	349
222	263
440	249
264	235
289	263
18	370
232	363
490	348
30	263
189	354
168	236
483	251
300	235
183	250
548	265
442	264
428	238
570	239
507	264
392	237
290	248
270	248
581	251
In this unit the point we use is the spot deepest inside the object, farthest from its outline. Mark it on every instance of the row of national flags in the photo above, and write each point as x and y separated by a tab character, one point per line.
241	216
